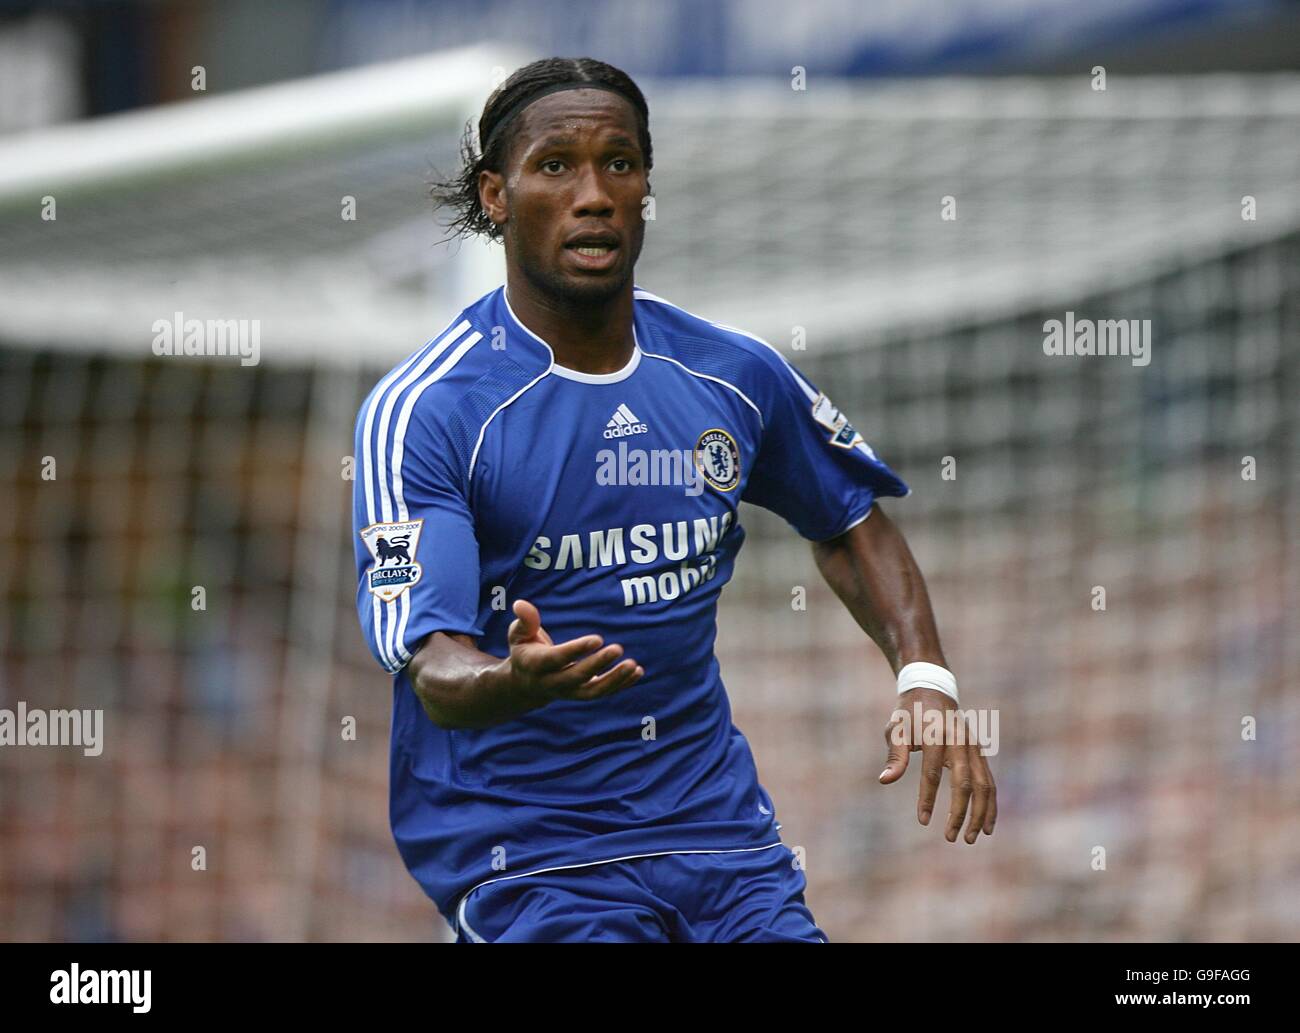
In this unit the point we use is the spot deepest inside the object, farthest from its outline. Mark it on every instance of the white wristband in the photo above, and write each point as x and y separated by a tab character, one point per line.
927	676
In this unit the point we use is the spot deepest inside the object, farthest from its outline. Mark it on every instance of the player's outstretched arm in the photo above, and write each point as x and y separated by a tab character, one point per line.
874	573
461	687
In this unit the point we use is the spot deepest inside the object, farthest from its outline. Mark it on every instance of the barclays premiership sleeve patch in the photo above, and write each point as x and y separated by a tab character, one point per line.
842	433
393	568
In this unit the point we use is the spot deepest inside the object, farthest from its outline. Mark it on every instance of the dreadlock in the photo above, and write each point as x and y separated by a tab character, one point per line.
460	192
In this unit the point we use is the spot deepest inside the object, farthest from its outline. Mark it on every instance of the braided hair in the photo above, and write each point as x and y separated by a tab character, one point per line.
460	192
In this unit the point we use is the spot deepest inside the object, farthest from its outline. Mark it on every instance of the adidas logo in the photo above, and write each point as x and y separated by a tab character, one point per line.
624	424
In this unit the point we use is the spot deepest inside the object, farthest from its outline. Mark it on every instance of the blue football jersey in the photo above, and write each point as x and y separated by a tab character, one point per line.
486	473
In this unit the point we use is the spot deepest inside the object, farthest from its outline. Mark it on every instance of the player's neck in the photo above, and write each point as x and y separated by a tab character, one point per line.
590	338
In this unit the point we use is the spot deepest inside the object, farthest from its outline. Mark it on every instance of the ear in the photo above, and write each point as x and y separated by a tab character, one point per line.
492	196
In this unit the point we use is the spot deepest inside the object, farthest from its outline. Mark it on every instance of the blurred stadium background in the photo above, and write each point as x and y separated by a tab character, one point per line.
777	209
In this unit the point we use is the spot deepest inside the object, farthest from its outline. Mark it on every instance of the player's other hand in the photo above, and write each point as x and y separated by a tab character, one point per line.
970	780
575	669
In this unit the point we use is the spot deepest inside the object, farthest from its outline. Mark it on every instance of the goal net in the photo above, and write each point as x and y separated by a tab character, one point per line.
904	245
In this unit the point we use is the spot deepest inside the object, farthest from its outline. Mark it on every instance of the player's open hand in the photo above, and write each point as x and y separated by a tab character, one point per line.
572	670
969	778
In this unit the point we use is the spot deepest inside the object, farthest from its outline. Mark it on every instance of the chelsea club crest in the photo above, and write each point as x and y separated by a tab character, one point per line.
392	547
718	459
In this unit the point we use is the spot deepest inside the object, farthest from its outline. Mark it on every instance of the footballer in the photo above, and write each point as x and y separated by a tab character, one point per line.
564	766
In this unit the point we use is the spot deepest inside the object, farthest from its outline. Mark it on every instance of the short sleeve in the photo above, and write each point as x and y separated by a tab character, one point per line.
417	554
813	468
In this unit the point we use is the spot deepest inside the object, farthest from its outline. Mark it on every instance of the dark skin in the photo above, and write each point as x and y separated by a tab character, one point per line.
574	166
872	570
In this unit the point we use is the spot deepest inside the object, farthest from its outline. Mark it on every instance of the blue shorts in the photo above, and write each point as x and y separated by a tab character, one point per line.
754	896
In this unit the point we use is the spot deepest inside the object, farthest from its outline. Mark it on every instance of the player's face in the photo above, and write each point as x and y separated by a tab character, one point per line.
576	171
